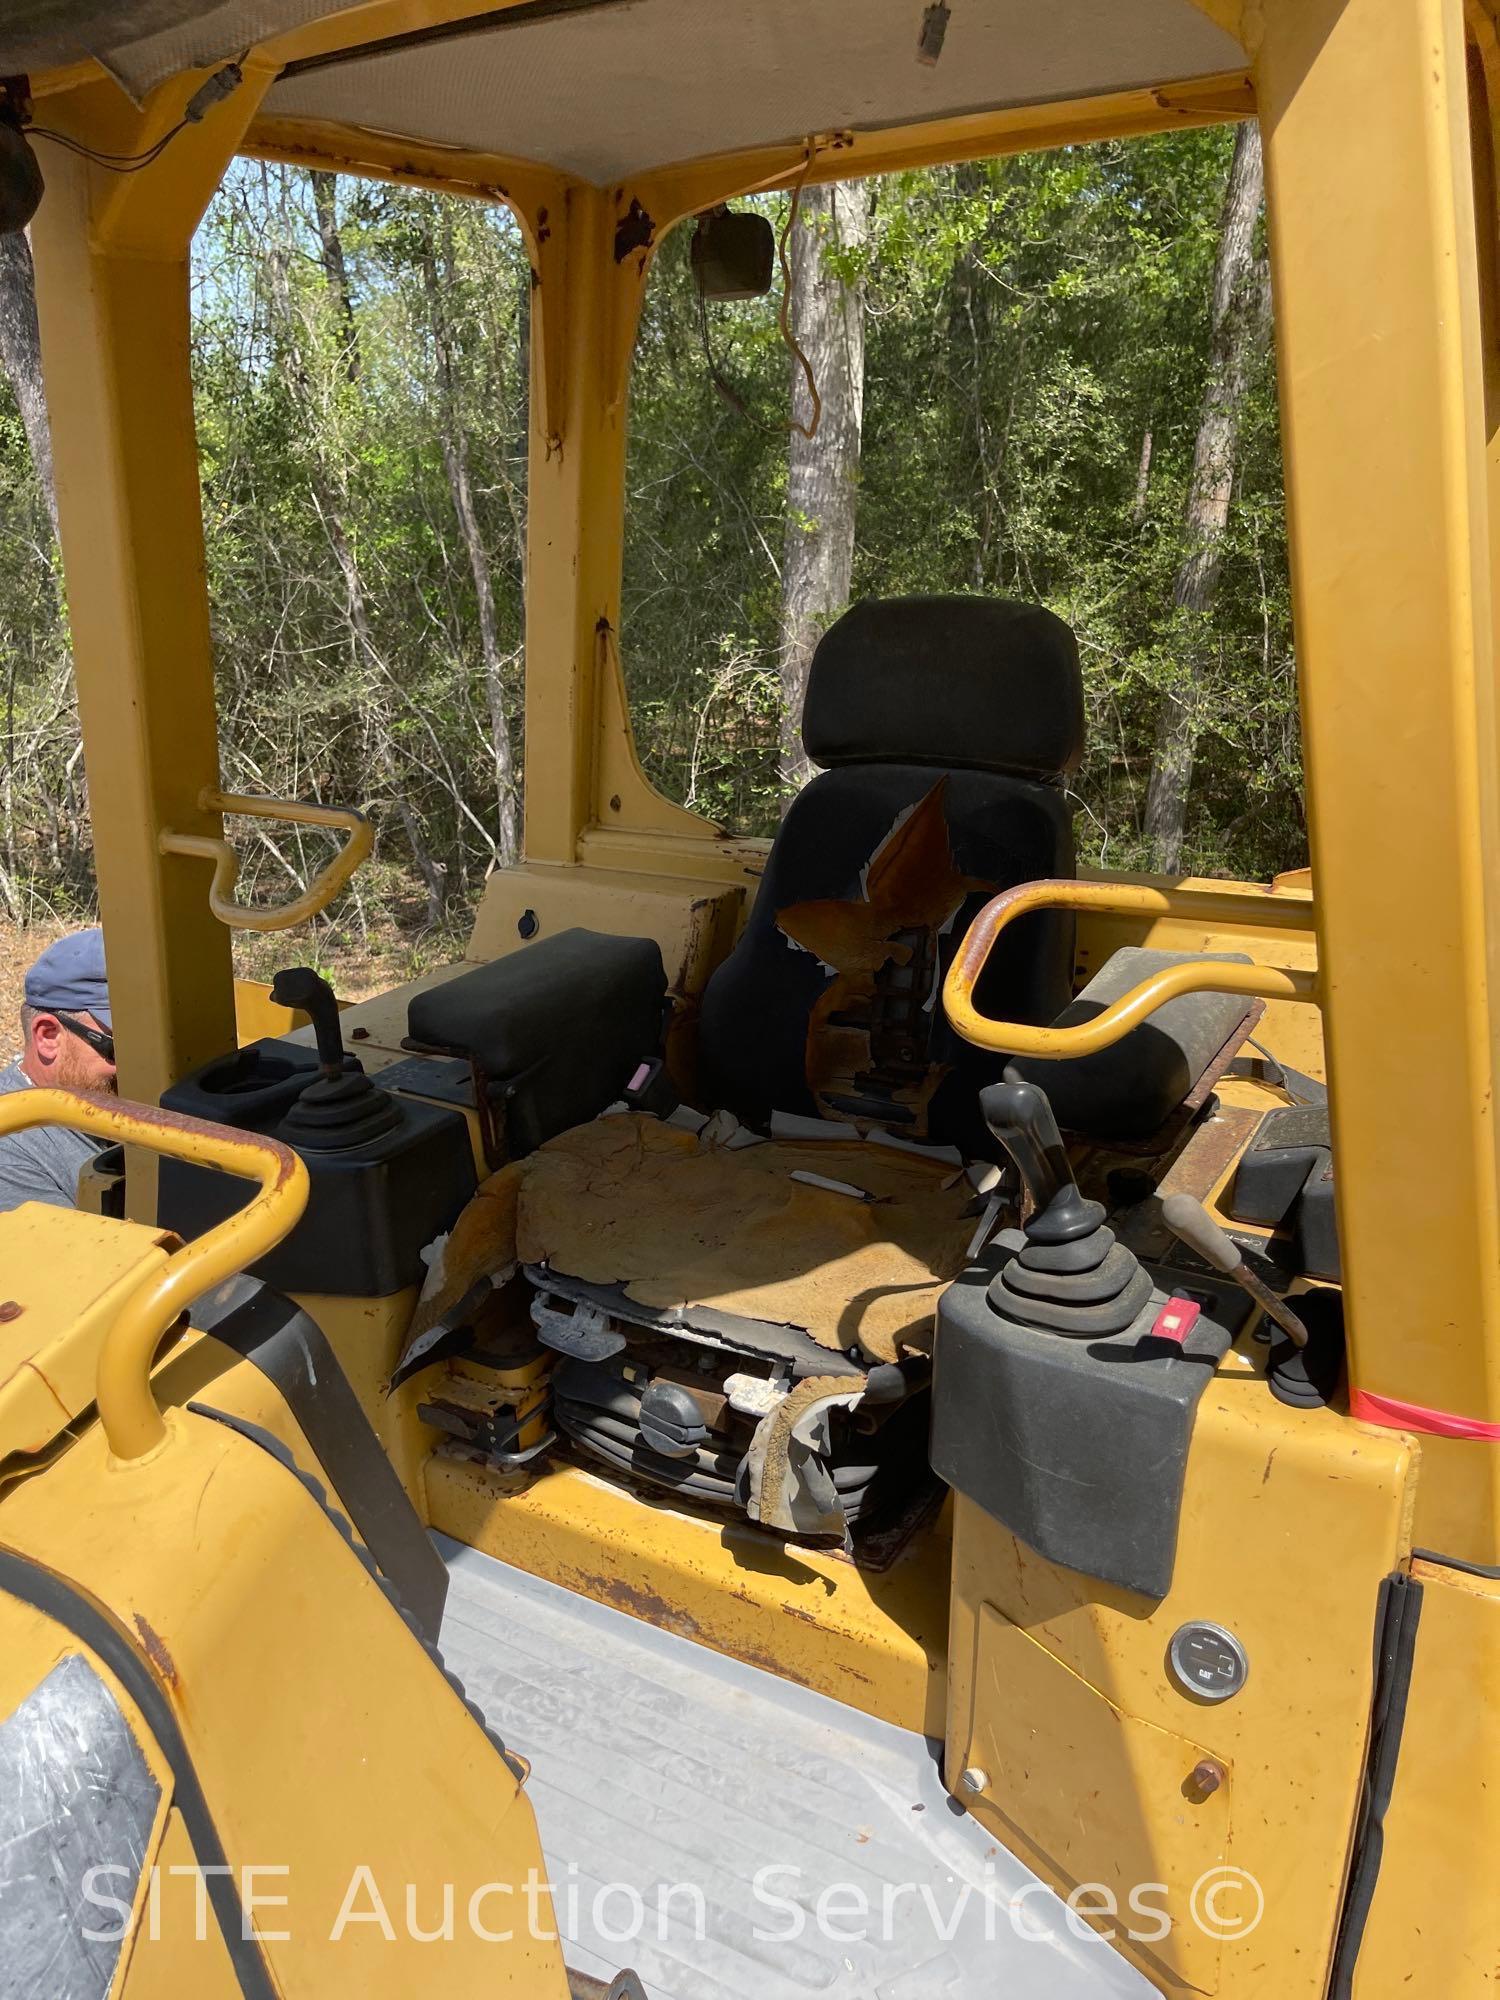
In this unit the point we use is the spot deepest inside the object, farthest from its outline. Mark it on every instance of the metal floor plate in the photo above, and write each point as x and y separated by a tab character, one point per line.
695	1811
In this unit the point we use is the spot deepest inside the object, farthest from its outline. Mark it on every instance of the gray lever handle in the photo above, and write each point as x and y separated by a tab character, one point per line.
1191	1223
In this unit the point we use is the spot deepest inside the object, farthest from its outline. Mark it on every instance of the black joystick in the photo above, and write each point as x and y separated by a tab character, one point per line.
340	1108
1066	1273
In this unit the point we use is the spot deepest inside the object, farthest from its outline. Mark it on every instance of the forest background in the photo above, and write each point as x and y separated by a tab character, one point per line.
1048	378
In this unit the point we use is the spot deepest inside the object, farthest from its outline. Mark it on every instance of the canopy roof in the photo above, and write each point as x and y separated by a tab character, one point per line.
604	89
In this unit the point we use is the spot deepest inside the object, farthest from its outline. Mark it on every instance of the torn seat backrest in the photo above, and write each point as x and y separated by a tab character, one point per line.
946	728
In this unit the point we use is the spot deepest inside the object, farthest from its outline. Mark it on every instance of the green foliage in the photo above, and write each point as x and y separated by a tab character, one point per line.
1028	322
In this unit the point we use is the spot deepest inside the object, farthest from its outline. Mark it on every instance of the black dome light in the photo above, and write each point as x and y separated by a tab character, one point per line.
20	179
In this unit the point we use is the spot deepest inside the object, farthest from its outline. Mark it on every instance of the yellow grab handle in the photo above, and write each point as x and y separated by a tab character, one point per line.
1137	899
127	1409
318	894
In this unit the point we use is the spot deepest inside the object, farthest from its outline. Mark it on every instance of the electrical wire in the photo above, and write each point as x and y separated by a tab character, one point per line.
725	387
114	163
220	85
783	318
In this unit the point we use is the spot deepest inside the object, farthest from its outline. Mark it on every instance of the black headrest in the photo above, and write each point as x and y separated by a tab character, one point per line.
970	682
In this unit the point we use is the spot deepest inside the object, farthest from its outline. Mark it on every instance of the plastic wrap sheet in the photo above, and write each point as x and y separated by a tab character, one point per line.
76	1794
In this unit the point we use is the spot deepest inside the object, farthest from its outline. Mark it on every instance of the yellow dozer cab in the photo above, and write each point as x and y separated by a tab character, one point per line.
870	1415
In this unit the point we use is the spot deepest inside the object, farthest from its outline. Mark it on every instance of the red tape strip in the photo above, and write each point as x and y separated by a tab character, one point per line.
1396	1415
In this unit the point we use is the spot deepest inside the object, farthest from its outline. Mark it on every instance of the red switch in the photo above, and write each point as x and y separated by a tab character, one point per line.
1176	1320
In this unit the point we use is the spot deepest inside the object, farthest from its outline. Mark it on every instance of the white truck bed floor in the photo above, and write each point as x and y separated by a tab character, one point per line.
665	1772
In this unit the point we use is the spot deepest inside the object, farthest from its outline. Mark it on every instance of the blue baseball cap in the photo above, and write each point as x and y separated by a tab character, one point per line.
69	976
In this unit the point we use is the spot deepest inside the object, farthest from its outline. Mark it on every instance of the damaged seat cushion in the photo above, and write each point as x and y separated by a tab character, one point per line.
682	1223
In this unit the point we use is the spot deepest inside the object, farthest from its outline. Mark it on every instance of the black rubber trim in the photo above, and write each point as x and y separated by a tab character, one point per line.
1489	1571
291	1350
89	1623
448	31
1398	1612
274	1448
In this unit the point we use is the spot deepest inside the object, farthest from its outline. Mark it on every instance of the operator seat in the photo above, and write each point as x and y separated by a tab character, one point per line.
965	712
742	1318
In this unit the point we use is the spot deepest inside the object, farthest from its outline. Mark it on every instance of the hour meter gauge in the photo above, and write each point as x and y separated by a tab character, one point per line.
1207	1662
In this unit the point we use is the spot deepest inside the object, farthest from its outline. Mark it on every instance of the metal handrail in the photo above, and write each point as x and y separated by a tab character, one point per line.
127	1408
1138	899
318	894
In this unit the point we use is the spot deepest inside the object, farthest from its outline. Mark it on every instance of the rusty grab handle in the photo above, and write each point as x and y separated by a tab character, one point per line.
318	894
127	1408
1140	899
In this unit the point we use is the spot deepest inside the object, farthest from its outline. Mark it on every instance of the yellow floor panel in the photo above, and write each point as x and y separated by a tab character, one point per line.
877	1641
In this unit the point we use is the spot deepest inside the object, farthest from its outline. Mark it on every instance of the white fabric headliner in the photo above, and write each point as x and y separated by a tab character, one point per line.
141	42
609	93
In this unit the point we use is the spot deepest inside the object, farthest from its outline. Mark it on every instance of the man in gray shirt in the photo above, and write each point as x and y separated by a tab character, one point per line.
67	1043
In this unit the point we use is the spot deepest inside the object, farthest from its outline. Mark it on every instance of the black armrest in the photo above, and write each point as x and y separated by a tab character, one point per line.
1126	1091
560	1026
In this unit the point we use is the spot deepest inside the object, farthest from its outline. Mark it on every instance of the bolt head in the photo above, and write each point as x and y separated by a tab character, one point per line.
973	1781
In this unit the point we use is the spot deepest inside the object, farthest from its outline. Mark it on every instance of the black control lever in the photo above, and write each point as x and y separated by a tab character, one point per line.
299	986
1020	1117
341	1109
1066	1273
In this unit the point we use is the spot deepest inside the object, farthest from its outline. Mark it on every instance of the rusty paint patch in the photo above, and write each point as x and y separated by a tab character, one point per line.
653	1609
1211	1151
31	1368
126	1116
635	230
156	1652
647	1605
796	1611
11	1309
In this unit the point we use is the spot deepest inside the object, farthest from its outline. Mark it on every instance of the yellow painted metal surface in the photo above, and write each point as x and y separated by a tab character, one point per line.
1373	236
1219	906
171	1953
114	340
112	299
1289	1521
1035	1720
1432	1924
694	924
257	1015
327	1743
366	1336
123	1391
63	1280
875	1641
1388	379
319	893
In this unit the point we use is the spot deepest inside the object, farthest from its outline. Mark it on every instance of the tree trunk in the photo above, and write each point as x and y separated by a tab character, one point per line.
336	270
21	356
1240	305
434	873
1142	480
454	446
330	496
828	319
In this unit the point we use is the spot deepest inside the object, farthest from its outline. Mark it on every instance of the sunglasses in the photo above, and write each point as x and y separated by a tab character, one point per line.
99	1041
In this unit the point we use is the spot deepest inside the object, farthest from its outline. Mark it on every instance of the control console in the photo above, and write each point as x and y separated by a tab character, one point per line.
1068	1370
